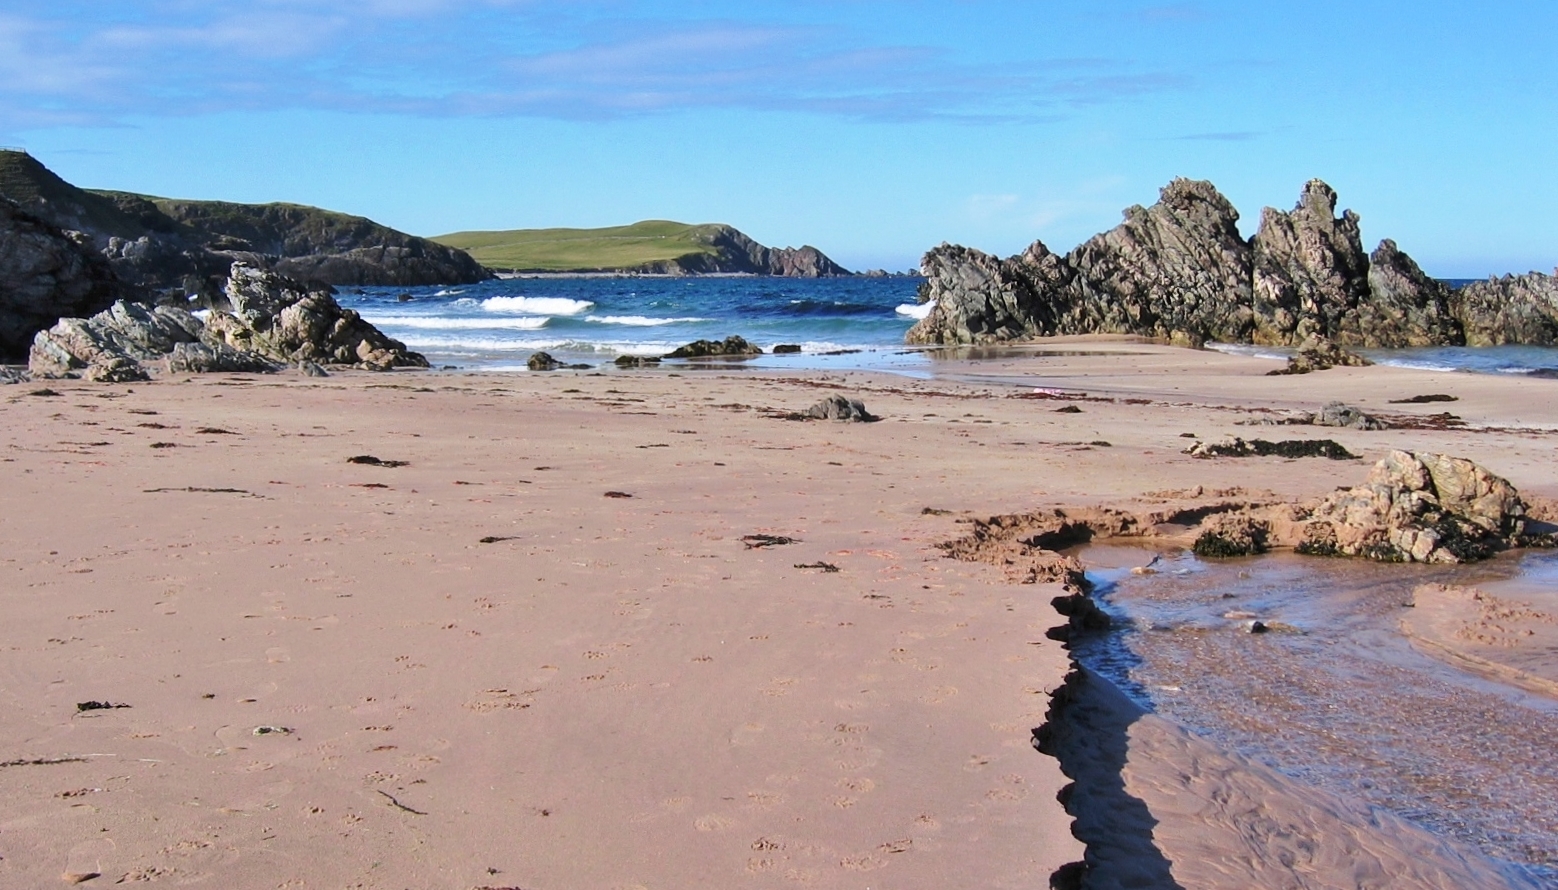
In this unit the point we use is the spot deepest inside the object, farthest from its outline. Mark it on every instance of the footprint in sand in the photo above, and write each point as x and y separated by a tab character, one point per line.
88	860
868	862
857	785
746	734
765	799
676	804
976	763
277	655
713	823
939	694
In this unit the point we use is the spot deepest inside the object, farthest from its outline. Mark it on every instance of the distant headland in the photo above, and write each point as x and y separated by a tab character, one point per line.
652	247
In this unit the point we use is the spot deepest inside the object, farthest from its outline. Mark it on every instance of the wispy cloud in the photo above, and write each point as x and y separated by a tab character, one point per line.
585	59
1230	136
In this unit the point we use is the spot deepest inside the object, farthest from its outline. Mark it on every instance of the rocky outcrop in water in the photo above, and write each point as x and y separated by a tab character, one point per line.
730	347
1180	271
274	322
44	275
1419	508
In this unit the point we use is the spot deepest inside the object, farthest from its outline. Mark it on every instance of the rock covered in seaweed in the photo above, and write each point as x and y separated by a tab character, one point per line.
733	347
1419	507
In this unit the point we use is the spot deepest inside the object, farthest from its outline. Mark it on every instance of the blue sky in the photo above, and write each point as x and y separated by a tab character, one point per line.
873	130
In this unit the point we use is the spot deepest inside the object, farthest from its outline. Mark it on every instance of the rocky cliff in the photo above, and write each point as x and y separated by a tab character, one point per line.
161	244
1181	271
44	275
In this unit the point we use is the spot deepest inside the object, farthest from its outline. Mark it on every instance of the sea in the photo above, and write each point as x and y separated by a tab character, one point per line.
838	323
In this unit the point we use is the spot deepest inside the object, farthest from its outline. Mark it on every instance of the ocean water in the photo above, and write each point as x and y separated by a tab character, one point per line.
838	322
497	325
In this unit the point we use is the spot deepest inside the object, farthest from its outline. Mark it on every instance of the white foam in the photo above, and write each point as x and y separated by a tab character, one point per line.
916	310
447	293
479	345
1249	351
640	321
536	305
434	323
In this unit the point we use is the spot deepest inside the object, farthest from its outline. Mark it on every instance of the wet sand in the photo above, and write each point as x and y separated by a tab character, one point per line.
483	671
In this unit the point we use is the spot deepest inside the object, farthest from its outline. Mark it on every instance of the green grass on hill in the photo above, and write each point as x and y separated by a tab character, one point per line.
571	250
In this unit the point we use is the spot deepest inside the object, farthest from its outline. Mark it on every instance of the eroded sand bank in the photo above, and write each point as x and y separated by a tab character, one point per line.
611	691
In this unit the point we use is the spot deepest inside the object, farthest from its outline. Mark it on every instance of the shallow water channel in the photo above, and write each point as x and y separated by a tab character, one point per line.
1334	694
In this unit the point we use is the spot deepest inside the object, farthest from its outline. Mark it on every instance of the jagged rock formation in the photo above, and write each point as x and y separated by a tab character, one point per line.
1519	309
275	322
44	275
162	244
1419	508
284	320
111	344
1180	271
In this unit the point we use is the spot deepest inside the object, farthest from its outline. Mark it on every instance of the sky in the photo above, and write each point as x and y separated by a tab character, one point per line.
872	130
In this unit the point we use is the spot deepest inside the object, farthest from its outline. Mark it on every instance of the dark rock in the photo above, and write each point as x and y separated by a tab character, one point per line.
840	408
312	369
729	347
636	361
1425	399
45	276
9	376
1292	448
165	244
371	461
543	361
1227	535
787	349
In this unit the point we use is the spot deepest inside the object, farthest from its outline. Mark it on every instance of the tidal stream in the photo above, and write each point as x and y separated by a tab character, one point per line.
1334	694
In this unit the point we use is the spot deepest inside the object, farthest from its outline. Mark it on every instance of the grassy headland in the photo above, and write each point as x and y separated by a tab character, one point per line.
571	250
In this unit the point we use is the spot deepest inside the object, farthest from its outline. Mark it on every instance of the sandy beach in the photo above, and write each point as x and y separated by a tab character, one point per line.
636	629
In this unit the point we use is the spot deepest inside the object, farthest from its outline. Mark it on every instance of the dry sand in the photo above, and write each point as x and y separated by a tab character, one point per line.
613	692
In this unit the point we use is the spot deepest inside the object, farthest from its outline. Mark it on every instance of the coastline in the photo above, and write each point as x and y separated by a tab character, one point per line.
612	691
